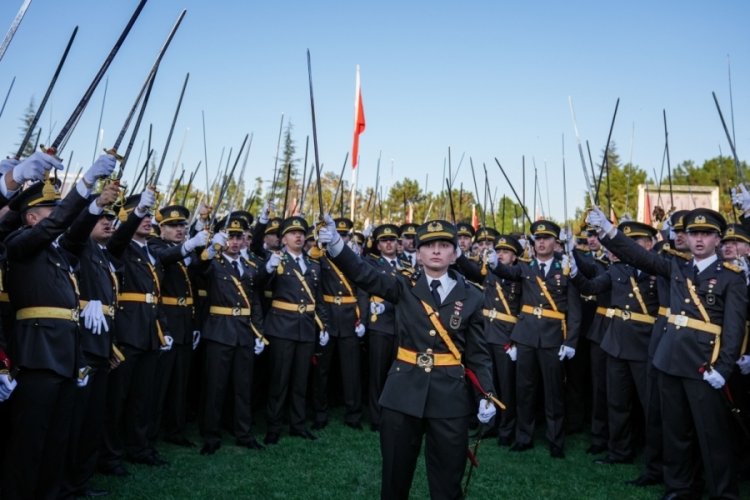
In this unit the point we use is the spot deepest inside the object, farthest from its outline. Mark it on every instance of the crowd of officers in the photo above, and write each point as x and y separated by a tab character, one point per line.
112	313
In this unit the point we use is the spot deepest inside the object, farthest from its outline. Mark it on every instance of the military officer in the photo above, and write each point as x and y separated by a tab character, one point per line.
465	233
407	232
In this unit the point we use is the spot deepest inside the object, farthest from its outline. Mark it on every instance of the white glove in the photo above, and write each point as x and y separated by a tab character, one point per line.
273	262
83	376
168	345
359	329
147	200
512	352
93	317
196	339
367	232
328	234
34	167
741	197
486	411
377	308
324	338
597	219
566	352
102	167
492	259
265	215
219	239
7	385
714	379
7	165
355	247
744	364
199	240
570	242
573	265
259	346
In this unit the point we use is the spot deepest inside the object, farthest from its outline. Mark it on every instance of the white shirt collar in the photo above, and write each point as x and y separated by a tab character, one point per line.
703	264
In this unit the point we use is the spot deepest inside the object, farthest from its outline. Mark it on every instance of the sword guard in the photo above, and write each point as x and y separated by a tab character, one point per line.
113	152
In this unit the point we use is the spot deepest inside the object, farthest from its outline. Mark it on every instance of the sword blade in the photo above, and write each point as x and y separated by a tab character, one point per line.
13	27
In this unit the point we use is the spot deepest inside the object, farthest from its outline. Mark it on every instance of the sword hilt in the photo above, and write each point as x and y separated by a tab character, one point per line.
113	152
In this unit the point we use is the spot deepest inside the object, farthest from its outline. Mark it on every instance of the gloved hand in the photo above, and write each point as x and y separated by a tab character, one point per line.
744	364
377	308
324	338
83	376
486	411
359	329
146	202
492	259
328	234
741	198
714	379
273	262
102	167
7	384
93	317
742	264
355	247
168	341
8	164
199	240
570	242
366	232
34	167
219	239
573	265
566	352
597	219
265	215
196	339
259	346
512	352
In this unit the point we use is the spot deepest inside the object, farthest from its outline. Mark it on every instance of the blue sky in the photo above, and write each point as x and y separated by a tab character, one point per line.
487	78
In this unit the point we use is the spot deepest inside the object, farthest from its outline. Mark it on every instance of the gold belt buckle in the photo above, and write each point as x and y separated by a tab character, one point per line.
337	300
301	308
110	310
236	311
538	312
625	315
681	320
610	312
74	314
150	298
425	360
181	301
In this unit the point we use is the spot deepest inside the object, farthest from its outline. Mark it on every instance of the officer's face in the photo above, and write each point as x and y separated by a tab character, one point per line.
407	242
680	240
103	230
387	247
436	256
646	243
246	239
37	214
544	246
464	242
294	241
734	249
506	257
593	242
144	228
271	241
174	233
484	245
702	244
234	243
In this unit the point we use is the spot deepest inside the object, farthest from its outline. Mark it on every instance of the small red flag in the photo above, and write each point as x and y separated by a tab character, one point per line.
359	121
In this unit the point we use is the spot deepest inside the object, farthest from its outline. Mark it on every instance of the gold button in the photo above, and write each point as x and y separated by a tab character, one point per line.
428	369
630	295
432	333
429	351
687	301
627	307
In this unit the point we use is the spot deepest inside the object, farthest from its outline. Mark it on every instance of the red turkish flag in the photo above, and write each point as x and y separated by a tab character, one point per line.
359	121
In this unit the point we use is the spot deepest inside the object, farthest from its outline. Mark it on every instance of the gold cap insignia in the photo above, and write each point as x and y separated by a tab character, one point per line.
434	226
235	224
627	230
541	227
388	230
730	232
174	214
502	240
700	219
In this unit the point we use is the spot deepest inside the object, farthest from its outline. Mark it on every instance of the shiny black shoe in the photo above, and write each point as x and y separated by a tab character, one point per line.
271	438
556	452
91	493
251	444
595	449
304	434
644	481
613	461
521	446
210	448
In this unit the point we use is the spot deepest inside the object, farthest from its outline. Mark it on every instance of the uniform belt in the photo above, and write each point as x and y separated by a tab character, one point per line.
202	293
664	311
4	297
601	310
614	312
177	301
495	314
288	306
47	313
683	321
540	311
107	310
340	299
427	359
229	311
147	298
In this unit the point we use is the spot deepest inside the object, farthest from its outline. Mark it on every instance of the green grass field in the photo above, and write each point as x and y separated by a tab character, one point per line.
345	464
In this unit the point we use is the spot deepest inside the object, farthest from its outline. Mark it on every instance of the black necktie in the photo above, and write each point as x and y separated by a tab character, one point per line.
236	267
695	272
434	284
393	263
145	252
542	265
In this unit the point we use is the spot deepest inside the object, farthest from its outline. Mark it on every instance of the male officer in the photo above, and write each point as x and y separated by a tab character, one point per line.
696	355
407	232
465	233
439	322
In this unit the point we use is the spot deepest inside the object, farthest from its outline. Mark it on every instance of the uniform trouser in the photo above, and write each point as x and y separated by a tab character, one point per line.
130	402
505	382
41	412
223	362
445	454
530	362
382	352
599	420
652	452
164	369
174	367
577	387
693	409
87	428
351	378
626	380
290	365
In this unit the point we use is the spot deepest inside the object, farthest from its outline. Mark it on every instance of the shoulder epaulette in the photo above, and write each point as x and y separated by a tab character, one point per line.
522	259
476	285
677	253
732	267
